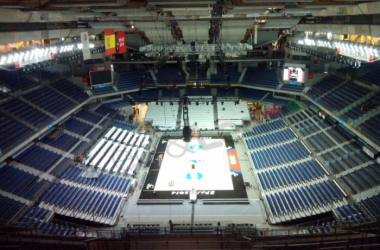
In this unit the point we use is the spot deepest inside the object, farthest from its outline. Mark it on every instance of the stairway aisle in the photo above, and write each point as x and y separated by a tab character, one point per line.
216	114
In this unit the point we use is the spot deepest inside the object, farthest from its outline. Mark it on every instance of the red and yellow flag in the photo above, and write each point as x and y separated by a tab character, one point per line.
109	41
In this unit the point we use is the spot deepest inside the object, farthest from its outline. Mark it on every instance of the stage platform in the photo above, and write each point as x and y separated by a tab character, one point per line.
209	165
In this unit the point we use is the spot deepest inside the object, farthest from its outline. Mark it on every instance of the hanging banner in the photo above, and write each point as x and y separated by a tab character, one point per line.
121	46
85	45
109	41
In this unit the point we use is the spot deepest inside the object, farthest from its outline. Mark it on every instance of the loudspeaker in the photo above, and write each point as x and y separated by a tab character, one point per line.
186	132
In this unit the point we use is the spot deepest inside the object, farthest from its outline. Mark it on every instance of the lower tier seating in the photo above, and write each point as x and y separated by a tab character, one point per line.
82	203
352	214
65	142
266	127
38	158
270	139
104	181
280	154
301	198
289	175
12	132
9	209
20	183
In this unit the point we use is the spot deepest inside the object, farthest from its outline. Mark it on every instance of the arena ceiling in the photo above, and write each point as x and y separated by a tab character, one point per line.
154	17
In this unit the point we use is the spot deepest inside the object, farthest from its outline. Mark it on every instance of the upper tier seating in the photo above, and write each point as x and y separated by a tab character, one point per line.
3	95
45	75
289	175
77	127
26	112
342	97
371	127
38	158
225	92
12	132
301	198
361	109
320	142
132	79
169	75
325	85
298	117
372	74
270	138
198	92
123	125
104	181
65	142
102	91
372	205
252	94
266	78
89	116
342	162
68	88
104	110
9	209
170	93
290	87
272	99
220	76
266	127
362	179
50	101
120	117
144	95
279	154
17	80
21	183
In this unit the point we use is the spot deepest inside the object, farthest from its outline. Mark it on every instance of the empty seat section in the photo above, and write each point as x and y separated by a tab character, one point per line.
50	101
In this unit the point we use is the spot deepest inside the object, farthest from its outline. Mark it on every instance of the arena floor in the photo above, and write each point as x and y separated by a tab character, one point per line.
223	213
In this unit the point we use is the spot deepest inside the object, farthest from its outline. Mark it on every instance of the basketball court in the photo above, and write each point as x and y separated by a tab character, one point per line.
208	165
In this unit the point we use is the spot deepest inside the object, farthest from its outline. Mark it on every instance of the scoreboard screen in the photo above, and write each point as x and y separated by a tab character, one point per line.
101	76
294	74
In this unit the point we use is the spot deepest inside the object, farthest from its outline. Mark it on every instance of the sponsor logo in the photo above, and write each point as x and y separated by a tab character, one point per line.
187	192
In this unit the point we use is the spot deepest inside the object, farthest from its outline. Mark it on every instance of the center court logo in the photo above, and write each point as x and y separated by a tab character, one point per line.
186	147
198	177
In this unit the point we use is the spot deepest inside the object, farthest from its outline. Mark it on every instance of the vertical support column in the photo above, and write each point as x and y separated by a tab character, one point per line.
212	67
240	66
255	35
214	92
